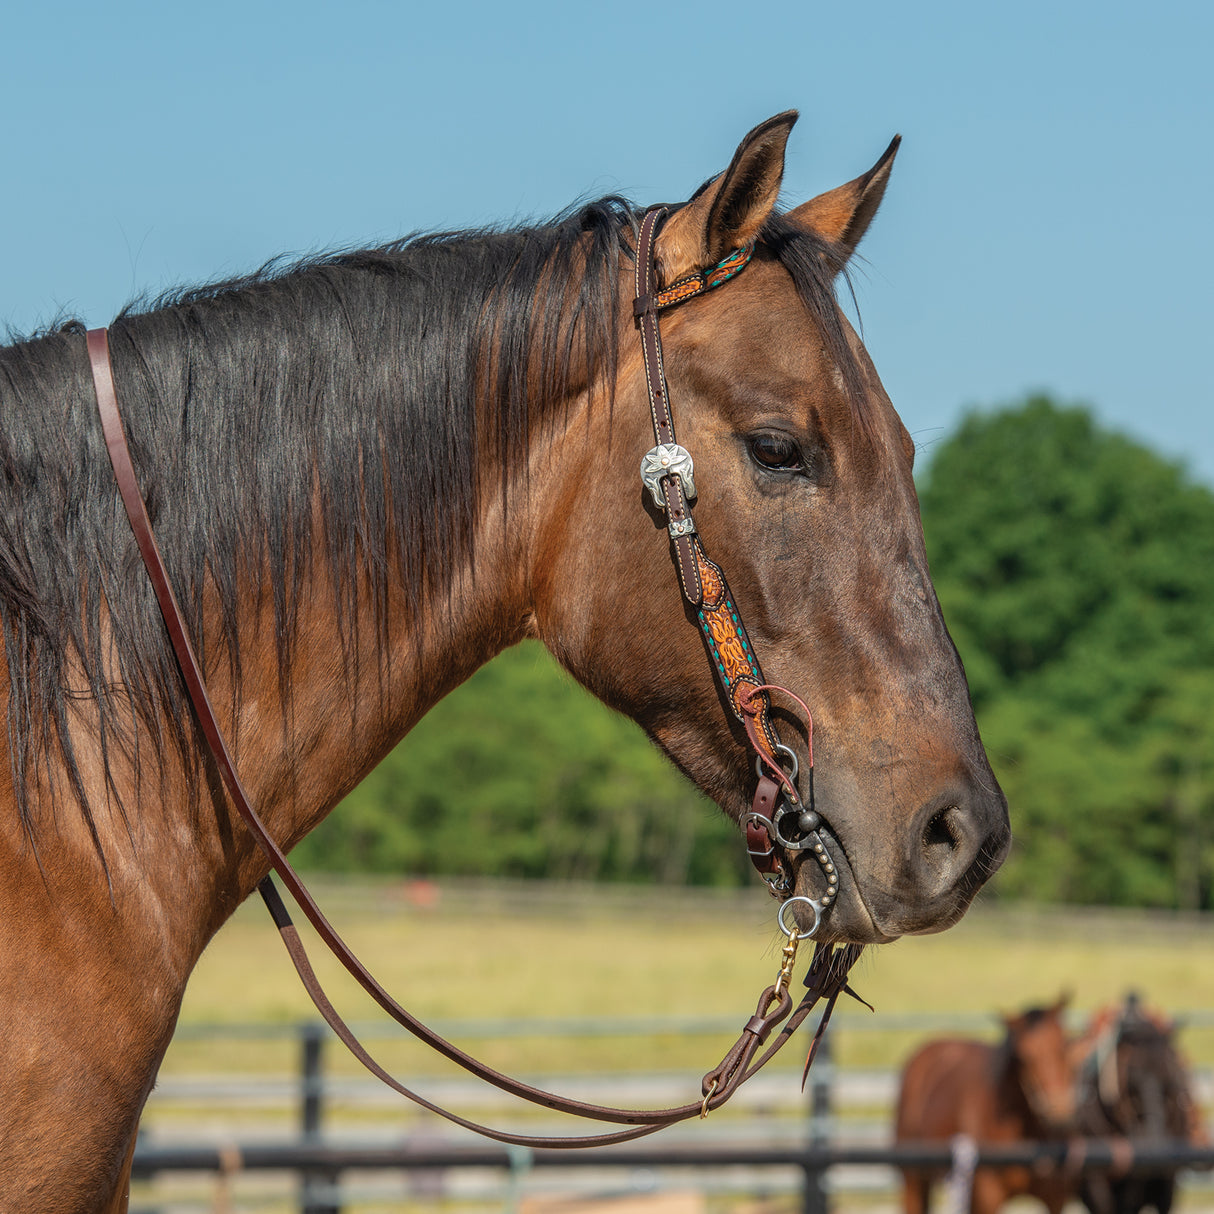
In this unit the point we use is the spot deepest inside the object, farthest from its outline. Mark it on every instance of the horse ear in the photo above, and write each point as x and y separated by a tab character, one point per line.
842	216
730	210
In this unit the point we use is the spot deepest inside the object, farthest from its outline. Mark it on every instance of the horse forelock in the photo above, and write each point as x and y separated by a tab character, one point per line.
344	394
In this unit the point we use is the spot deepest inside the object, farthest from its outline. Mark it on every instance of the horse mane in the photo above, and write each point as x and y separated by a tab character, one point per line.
361	375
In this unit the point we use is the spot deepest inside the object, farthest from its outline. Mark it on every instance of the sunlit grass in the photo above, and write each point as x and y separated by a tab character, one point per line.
545	955
492	953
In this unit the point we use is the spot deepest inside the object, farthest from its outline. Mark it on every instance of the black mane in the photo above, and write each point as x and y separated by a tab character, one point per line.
358	373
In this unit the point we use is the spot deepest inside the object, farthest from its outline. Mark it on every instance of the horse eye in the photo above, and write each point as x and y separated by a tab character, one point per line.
776	451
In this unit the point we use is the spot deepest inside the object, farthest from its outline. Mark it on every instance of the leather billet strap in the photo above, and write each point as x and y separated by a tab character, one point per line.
678	513
826	978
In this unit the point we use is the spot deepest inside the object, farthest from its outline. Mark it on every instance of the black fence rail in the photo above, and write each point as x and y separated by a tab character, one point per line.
1078	1155
329	1161
320	1159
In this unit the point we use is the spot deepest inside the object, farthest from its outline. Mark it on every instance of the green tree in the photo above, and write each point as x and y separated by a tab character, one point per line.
1076	572
520	772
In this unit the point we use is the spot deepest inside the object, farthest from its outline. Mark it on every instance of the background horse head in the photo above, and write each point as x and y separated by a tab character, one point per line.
1022	1089
1134	1084
1035	1056
368	474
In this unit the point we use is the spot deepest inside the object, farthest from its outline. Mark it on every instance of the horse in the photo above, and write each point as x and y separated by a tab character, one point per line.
1133	1084
369	472
1019	1090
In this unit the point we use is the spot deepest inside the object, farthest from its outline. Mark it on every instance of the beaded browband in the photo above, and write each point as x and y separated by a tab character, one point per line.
696	283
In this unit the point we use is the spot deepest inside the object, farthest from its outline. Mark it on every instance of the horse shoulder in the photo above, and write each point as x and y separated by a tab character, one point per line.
90	985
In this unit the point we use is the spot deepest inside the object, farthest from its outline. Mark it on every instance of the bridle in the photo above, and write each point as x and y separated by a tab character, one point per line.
778	822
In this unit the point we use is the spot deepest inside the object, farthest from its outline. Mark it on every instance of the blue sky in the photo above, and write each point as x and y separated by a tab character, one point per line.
1047	225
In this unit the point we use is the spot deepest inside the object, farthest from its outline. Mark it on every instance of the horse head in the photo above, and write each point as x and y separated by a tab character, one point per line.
1152	1097
1040	1053
806	501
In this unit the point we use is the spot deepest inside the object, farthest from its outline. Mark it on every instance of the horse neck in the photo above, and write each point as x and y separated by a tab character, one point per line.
1011	1083
1007	1071
370	657
357	681
389	606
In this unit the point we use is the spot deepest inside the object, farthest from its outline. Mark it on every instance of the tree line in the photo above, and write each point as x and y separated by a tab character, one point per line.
1076	572
1075	568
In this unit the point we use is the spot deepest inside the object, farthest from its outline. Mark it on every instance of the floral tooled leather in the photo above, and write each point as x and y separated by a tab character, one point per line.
733	659
711	580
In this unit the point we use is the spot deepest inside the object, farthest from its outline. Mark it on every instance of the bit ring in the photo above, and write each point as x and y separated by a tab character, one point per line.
792	932
790	754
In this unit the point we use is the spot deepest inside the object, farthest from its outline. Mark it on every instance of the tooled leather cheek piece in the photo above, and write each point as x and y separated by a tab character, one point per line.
780	821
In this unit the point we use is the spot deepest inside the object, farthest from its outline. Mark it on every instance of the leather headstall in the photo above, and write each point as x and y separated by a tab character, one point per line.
747	693
779	821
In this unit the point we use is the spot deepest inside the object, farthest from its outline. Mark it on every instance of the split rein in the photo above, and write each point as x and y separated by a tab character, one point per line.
778	824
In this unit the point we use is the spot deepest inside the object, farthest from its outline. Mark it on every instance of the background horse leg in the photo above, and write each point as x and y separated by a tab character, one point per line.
989	1192
1160	1193
1156	1191
916	1192
1055	1193
1096	1193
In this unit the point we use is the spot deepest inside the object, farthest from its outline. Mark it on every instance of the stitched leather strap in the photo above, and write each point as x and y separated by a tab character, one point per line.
677	510
734	662
828	971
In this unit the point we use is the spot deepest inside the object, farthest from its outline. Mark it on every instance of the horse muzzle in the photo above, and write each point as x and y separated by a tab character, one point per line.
921	884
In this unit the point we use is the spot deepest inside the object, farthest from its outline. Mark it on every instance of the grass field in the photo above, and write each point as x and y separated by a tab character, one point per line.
456	952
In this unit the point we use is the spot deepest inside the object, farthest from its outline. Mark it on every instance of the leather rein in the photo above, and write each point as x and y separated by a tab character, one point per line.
779	822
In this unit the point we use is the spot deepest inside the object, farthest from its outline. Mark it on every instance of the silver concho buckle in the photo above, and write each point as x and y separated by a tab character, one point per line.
667	459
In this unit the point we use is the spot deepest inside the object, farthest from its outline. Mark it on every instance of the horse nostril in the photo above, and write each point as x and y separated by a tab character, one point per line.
954	843
943	829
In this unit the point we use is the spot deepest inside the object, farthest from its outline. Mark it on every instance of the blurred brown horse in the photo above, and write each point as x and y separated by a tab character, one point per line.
1022	1089
368	474
1133	1084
